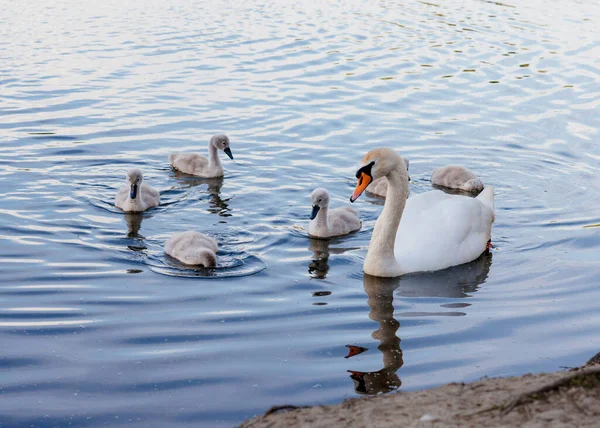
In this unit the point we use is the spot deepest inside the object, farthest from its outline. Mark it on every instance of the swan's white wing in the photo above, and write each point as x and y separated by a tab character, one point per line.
438	230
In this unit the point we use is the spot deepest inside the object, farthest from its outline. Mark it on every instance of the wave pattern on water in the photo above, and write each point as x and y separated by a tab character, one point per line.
92	334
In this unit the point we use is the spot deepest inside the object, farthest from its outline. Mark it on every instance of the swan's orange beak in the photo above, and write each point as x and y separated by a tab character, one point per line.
363	182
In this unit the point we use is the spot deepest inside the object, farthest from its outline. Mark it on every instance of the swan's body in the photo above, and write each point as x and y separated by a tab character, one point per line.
427	232
193	248
135	195
326	223
379	187
456	177
201	166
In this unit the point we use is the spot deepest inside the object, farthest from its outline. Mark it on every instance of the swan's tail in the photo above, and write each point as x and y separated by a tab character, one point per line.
487	197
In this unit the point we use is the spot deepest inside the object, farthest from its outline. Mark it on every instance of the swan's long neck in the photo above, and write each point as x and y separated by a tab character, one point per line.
380	260
213	156
381	300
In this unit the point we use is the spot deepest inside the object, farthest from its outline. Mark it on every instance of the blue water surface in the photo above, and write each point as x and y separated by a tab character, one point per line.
98	327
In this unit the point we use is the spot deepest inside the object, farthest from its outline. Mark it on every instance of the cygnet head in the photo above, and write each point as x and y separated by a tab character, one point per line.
134	178
320	199
221	142
207	258
375	164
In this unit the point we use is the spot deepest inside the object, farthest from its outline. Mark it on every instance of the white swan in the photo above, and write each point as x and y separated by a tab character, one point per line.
134	195
427	232
456	177
325	223
193	248
379	187
196	164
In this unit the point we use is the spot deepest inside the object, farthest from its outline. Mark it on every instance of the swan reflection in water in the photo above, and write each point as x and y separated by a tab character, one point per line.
321	249
454	282
217	205
134	222
380	292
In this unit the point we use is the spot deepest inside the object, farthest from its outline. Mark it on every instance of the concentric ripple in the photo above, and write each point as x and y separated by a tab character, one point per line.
231	260
229	266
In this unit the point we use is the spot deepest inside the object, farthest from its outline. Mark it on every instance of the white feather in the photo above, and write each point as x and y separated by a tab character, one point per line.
426	232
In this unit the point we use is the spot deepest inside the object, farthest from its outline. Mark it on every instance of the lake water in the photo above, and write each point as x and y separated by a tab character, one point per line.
99	328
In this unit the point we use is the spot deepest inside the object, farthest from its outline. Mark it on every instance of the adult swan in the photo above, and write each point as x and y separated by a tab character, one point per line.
427	232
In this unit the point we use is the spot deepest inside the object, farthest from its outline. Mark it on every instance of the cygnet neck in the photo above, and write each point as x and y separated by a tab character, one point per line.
213	158
321	221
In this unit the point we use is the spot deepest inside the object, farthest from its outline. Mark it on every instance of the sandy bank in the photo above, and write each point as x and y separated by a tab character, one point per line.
560	399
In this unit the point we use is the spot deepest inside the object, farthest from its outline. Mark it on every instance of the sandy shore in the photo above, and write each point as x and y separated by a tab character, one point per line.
561	399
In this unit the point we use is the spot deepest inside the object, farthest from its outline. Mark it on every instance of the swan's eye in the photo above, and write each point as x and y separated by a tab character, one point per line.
366	169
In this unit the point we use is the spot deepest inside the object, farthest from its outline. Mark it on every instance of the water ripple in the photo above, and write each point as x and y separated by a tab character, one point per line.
99	326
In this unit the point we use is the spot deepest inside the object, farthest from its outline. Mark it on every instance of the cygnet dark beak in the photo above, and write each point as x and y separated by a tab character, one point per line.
315	210
133	191
227	151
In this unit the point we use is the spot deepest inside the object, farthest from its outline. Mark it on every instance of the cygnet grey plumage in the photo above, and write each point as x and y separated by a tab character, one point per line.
135	195
327	223
193	248
199	165
456	177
